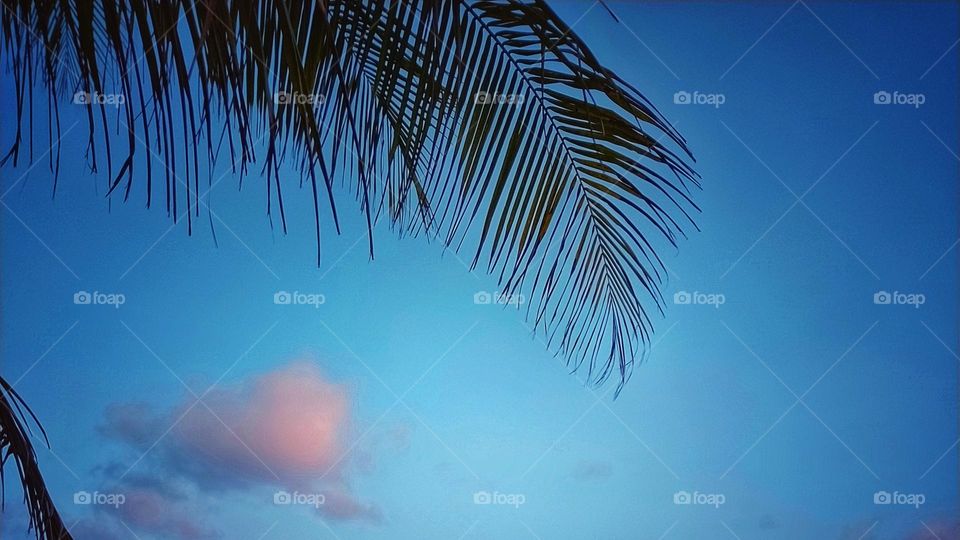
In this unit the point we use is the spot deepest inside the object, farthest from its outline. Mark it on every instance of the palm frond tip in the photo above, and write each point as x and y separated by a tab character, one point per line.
15	434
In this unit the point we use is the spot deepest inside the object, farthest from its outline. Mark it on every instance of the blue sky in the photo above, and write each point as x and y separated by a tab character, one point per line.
795	400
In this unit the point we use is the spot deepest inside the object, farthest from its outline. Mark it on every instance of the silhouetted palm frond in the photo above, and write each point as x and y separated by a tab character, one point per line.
489	125
15	418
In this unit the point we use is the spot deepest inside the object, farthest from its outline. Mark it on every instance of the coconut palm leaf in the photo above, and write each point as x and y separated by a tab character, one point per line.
15	433
489	125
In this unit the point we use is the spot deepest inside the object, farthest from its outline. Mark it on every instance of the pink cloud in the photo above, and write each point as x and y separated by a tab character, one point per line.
288	429
288	426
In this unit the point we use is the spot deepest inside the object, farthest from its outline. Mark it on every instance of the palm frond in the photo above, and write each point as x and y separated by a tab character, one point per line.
561	179
15	419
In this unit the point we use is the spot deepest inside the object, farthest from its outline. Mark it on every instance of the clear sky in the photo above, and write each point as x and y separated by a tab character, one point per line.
793	402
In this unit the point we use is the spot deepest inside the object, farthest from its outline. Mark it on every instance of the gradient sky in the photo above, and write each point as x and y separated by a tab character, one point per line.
797	399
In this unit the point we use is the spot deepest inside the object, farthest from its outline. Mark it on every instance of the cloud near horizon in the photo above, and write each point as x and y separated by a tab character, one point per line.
288	429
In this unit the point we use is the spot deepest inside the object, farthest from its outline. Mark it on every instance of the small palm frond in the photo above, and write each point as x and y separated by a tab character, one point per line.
488	125
15	417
